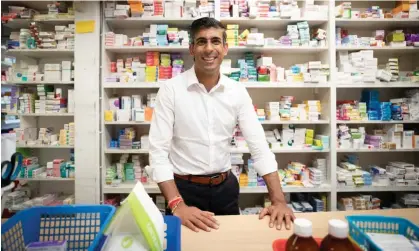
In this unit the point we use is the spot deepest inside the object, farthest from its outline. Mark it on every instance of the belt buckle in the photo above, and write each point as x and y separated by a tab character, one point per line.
214	177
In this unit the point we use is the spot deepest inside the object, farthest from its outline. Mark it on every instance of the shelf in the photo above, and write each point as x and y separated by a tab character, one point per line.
380	85
45	179
42	114
122	151
109	85
44	146
377	23
377	122
284	150
127	187
232	150
126	123
377	189
41	53
374	150
24	23
284	85
287	189
266	122
142	22
40	83
269	23
277	49
143	49
387	49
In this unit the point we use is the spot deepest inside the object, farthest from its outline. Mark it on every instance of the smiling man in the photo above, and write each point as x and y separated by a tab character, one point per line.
190	134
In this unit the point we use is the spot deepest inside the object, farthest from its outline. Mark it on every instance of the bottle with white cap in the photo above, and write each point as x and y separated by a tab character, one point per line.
337	239
302	238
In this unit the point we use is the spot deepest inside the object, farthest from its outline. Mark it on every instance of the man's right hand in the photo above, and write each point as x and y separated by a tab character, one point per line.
195	219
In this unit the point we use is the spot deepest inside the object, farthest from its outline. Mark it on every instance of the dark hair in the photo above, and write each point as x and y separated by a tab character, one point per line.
206	23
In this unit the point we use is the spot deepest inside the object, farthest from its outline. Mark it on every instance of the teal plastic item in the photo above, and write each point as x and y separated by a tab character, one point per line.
57	223
360	225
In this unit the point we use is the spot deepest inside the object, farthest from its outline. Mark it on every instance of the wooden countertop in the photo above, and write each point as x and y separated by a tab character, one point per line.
247	232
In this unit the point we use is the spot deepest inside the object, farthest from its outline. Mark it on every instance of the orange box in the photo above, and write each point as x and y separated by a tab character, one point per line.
405	5
148	113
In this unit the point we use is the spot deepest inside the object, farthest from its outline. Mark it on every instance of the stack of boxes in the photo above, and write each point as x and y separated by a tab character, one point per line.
152	62
52	72
67	73
393	67
313	109
41	103
304	33
67	135
65	36
232	34
158	8
224	8
251	174
26	103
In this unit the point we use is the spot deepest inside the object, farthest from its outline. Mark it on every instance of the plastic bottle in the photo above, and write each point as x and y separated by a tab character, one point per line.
302	238
337	239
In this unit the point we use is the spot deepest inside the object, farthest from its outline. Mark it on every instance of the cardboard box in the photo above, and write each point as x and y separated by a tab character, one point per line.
407	141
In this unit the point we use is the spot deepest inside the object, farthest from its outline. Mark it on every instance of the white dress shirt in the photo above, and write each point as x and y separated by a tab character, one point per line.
192	128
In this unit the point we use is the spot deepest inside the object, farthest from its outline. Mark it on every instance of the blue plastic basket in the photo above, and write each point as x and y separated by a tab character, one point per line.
360	225
173	233
80	225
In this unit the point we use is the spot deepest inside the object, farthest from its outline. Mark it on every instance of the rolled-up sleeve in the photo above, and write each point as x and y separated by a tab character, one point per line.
161	133
264	159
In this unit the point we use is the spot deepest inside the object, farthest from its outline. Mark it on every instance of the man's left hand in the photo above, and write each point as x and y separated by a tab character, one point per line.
279	212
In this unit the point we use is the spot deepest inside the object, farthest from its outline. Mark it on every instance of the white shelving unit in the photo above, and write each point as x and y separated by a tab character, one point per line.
328	93
44	153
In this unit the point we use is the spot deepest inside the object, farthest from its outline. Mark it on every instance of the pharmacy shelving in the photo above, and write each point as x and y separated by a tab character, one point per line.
46	179
40	57
44	146
41	53
40	83
127	187
262	92
42	114
377	122
115	85
375	23
378	189
144	49
388	49
405	84
19	23
285	56
265	122
136	22
375	150
269	22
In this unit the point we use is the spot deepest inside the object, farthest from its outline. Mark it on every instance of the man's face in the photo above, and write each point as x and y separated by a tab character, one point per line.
208	49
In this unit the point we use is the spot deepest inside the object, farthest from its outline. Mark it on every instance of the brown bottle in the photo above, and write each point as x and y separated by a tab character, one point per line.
337	239
302	238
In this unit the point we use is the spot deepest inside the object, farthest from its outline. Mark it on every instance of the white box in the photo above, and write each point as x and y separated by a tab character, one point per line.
66	75
52	67
407	141
66	65
52	76
123	115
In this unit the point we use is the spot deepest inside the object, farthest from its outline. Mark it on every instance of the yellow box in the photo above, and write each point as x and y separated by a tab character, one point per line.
310	133
109	115
309	141
318	142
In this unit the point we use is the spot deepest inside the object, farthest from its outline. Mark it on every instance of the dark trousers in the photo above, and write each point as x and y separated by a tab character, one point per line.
222	199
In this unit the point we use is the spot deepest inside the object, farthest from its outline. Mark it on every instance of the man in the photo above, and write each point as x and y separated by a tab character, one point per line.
192	126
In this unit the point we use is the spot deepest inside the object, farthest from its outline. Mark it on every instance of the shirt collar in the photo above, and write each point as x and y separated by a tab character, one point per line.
193	80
